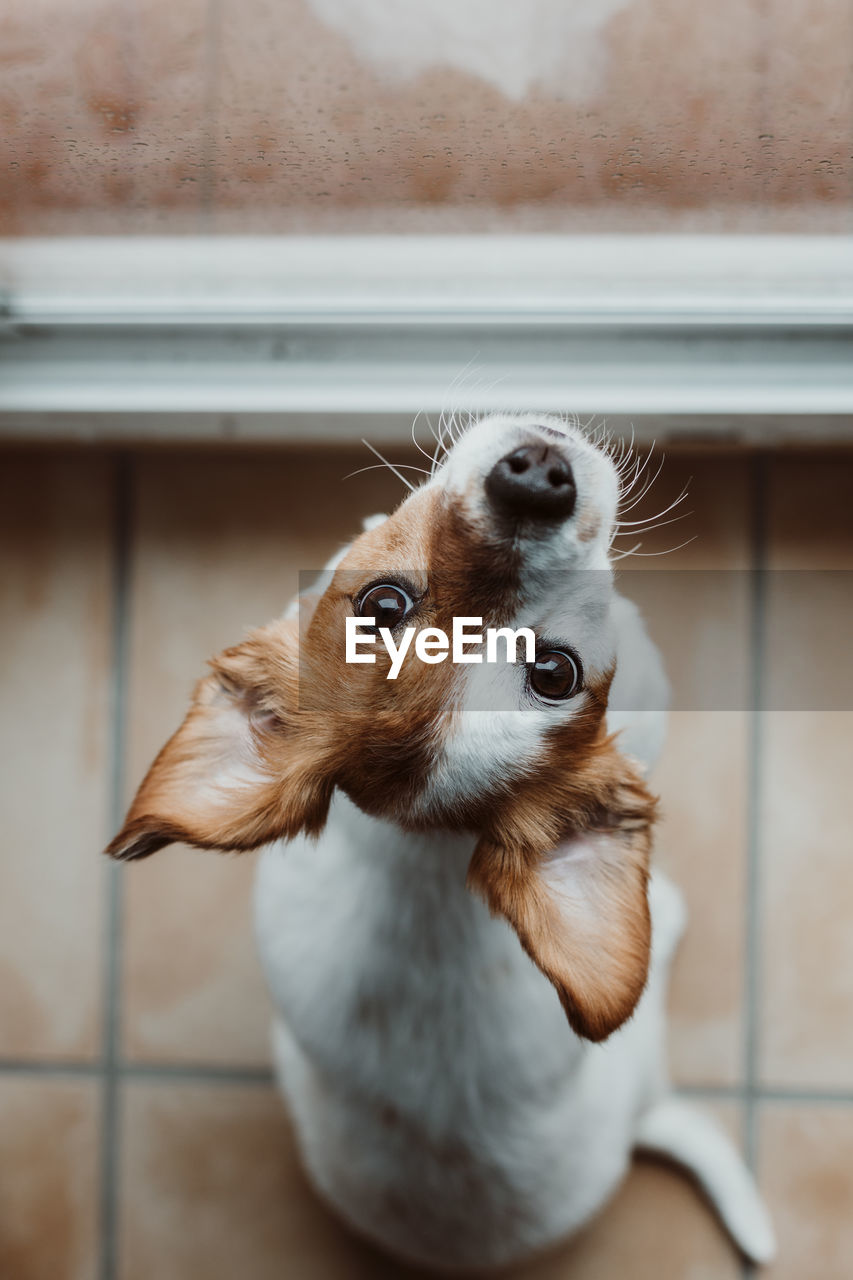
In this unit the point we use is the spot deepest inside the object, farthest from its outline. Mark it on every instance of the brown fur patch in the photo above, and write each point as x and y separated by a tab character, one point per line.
389	733
243	768
593	940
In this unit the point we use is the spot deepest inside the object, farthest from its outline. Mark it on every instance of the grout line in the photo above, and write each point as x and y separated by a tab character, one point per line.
808	1097
794	1094
735	1092
197	1073
37	1067
752	921
137	1071
122	534
202	1073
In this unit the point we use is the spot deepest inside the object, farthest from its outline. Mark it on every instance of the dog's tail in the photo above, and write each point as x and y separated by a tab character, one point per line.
679	1131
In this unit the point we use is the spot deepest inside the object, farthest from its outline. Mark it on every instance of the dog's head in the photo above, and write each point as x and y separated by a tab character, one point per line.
514	529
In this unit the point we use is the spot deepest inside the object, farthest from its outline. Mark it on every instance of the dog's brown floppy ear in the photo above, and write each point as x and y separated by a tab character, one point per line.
241	770
581	913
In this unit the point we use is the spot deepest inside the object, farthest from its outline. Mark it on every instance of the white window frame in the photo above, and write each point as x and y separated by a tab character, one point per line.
306	338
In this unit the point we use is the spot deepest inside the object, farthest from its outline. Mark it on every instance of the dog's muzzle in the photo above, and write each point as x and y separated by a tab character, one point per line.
534	482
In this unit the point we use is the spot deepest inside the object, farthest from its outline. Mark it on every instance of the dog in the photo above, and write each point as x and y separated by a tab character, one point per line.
465	948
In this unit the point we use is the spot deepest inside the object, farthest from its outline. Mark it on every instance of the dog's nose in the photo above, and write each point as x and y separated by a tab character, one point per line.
533	481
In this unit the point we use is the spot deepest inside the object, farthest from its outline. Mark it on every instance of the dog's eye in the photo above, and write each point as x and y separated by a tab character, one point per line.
555	674
387	603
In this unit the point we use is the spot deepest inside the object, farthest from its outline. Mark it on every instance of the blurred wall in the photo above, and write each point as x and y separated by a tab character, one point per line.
392	115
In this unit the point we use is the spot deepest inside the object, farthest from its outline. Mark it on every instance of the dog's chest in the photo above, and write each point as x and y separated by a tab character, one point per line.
434	1082
396	981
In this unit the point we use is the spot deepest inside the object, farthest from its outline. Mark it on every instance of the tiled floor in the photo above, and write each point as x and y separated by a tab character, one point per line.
140	1135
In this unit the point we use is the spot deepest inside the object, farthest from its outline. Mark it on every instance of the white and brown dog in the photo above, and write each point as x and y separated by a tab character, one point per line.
467	957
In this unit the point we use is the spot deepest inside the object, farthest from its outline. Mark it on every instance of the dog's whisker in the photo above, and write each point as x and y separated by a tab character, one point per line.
650	554
440	448
645	524
640	527
623	452
641	465
637	498
652	520
415	440
428	420
380	466
630	472
440	451
479	386
649	519
623	555
442	431
388	464
448	401
601	436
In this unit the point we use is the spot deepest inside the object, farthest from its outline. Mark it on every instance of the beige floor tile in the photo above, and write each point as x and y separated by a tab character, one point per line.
220	543
697	605
55	634
810	513
713	519
807	953
806	1155
702	845
657	1225
212	1187
48	1184
806	1014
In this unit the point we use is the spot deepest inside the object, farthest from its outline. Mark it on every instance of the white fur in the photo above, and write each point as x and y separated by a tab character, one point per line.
471	459
426	1060
441	1101
680	1132
496	731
